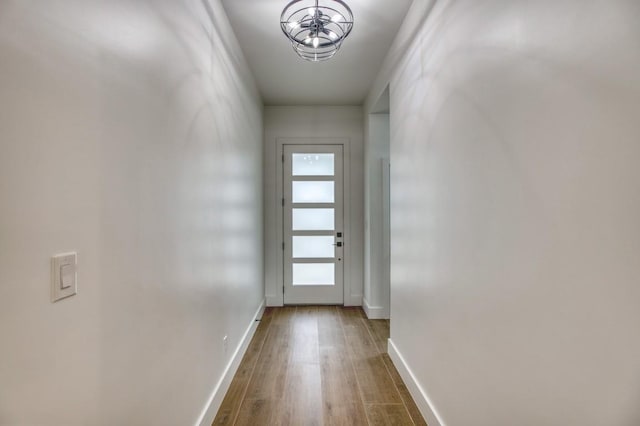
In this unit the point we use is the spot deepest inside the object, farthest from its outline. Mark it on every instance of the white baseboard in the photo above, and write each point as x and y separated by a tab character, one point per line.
419	395
215	400
374	312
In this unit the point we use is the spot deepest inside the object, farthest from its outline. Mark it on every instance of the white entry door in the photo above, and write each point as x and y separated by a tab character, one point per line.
313	220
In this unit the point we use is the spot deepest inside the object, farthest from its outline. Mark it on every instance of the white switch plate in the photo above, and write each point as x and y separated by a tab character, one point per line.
64	281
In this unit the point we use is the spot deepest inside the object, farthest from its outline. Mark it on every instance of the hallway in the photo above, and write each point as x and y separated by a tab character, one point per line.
318	365
479	187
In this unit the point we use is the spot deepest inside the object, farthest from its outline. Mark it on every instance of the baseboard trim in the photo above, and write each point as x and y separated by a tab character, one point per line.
419	395
373	312
215	400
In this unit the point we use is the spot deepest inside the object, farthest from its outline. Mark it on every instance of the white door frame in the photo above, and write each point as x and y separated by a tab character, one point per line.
347	240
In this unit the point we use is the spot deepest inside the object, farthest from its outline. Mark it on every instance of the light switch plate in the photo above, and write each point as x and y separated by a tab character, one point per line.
64	282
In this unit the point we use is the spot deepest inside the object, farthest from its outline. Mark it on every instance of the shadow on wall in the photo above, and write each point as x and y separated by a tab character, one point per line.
141	129
515	210
198	204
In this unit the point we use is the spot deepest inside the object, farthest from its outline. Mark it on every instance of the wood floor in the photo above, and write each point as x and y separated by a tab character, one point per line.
318	366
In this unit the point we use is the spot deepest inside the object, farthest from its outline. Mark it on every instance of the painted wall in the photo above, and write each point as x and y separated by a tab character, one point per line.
313	122
130	132
376	252
515	197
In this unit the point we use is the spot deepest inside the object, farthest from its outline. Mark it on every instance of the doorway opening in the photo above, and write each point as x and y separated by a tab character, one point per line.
377	274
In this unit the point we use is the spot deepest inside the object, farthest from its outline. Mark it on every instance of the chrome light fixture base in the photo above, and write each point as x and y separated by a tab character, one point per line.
316	28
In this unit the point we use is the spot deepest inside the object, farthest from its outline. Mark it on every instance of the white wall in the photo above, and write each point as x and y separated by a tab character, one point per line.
131	133
376	267
313	122
515	204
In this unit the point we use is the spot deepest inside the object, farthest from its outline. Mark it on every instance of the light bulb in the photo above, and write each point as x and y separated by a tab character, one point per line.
333	35
294	25
336	18
316	42
312	11
307	40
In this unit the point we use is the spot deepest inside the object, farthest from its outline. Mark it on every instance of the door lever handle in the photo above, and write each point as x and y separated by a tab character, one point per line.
339	244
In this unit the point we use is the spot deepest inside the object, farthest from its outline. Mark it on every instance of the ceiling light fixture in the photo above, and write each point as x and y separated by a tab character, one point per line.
316	28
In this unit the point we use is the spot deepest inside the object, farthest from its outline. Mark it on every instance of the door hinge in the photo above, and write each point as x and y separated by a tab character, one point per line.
283	158
283	202
283	245
282	289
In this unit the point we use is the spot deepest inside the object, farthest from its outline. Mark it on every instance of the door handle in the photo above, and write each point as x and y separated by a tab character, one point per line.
339	244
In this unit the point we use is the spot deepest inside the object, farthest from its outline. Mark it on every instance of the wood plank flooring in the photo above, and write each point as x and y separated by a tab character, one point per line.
324	365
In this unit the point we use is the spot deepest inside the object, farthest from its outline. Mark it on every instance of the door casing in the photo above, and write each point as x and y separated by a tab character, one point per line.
347	240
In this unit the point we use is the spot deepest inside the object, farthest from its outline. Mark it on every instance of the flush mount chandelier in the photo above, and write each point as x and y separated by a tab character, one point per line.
316	28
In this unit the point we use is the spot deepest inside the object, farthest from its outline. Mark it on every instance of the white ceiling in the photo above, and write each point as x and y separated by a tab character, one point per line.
285	79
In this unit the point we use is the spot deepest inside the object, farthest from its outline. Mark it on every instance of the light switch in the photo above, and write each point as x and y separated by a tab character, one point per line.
63	273
66	276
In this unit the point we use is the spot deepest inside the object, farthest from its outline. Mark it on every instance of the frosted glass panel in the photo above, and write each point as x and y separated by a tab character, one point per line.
313	192
314	274
313	219
313	247
312	164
